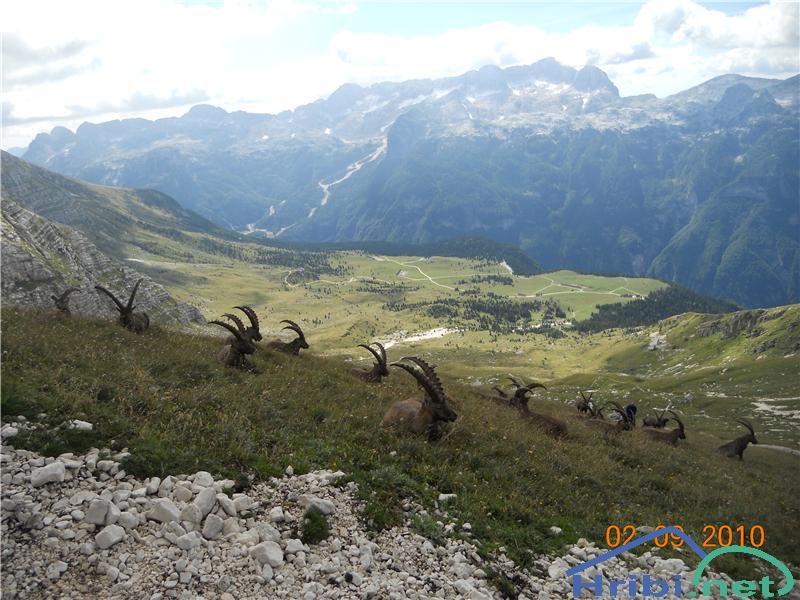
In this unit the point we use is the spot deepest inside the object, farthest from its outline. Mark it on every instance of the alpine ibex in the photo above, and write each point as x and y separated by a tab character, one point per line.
428	415
739	445
134	321
295	345
584	404
253	332
669	437
236	354
624	424
379	368
657	421
550	425
62	301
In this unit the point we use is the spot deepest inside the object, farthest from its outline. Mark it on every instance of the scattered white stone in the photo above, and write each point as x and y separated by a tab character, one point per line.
268	553
205	500
79	425
226	504
182	493
8	432
110	535
203	479
447	497
554	530
54	472
276	515
307	501
212	527
164	511
54	570
293	546
189	540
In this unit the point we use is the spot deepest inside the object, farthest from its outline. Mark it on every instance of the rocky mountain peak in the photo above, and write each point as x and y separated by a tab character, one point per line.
592	79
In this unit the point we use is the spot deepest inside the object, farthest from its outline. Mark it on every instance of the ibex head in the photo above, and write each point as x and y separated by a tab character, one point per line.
435	399
242	345
254	331
123	309
681	432
520	398
380	357
626	423
137	322
752	437
296	328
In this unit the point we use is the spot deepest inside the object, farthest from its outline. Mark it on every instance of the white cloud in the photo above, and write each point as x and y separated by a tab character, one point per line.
102	60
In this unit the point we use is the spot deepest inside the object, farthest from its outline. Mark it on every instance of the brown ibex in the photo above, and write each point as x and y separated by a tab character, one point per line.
295	345
597	421
739	445
236	354
657	421
669	437
550	425
253	332
584	404
379	368
428	415
62	301
135	321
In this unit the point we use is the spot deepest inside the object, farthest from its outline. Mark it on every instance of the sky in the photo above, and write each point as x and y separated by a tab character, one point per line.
64	63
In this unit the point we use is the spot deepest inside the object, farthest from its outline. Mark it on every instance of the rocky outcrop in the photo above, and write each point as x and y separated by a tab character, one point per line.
41	259
80	526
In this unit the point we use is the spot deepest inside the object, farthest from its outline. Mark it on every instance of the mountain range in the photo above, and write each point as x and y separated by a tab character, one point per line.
700	187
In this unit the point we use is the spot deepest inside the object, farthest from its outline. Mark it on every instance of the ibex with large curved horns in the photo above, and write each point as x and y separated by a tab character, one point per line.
739	445
658	421
62	301
236	354
550	425
624	424
379	368
295	345
135	321
584	404
250	333
253	332
669	437
428	415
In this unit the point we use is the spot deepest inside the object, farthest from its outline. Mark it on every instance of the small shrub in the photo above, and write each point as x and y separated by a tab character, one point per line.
314	528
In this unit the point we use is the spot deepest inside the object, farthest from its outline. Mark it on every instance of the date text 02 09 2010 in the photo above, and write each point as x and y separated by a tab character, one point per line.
714	536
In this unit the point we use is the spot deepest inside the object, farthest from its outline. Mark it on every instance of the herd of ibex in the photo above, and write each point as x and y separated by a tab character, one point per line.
433	411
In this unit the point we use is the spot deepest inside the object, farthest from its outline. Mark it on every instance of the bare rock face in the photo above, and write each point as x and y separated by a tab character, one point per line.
41	259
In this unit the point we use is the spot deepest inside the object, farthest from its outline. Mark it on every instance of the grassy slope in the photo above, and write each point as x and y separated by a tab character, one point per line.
163	396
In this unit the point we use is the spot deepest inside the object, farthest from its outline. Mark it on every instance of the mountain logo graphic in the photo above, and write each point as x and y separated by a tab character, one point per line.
652	587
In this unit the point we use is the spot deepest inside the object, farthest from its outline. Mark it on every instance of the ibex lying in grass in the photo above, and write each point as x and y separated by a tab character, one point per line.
669	437
501	396
584	404
134	321
550	425
236	354
295	345
657	421
624	424
379	368
739	445
421	416
62	301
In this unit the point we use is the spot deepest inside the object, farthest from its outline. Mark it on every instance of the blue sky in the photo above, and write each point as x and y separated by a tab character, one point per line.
96	60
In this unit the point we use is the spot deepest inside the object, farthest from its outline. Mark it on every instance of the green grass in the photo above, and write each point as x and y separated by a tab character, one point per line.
314	527
163	396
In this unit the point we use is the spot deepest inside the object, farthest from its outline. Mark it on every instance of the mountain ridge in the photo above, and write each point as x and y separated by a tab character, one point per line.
524	155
